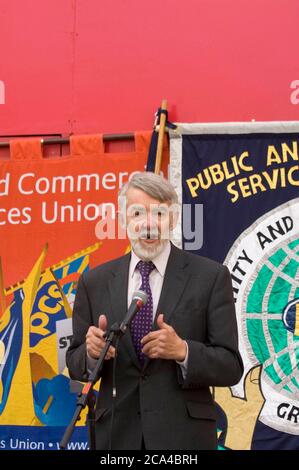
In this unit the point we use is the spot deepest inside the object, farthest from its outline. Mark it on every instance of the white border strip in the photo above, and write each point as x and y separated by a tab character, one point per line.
271	127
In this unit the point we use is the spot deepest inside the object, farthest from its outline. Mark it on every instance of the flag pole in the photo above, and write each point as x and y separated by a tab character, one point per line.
161	137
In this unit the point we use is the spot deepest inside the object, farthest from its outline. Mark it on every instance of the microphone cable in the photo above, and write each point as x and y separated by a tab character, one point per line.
113	392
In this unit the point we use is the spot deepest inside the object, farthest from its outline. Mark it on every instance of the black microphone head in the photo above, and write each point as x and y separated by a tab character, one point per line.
140	295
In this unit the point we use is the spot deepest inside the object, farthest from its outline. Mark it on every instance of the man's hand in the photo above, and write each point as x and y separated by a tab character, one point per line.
95	341
164	343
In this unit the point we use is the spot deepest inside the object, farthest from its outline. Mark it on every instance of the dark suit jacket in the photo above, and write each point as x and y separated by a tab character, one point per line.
155	401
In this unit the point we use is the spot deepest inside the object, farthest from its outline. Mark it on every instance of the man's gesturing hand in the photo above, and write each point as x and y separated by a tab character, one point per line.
164	343
95	340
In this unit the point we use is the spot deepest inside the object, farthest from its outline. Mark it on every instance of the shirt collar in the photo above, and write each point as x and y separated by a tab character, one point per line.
159	261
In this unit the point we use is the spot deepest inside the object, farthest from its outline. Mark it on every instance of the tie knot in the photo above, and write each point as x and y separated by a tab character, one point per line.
145	267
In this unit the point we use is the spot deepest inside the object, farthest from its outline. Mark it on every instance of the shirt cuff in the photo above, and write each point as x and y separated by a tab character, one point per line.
184	364
91	363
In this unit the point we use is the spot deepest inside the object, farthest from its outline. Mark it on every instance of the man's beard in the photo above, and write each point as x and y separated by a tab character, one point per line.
147	253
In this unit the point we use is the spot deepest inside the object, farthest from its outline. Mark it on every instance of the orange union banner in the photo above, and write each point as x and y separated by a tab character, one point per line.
49	210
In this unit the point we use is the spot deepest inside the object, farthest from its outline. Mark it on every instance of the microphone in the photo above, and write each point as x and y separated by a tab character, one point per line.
138	301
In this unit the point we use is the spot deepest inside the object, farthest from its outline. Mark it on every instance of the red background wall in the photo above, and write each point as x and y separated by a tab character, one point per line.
104	66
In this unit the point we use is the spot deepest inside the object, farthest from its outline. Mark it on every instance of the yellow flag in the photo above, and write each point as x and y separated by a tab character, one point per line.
19	407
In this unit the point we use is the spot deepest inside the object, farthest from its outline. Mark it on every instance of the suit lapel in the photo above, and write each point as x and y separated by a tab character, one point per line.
118	290
175	280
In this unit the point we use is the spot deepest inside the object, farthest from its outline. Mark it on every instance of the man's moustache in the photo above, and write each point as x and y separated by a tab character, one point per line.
149	235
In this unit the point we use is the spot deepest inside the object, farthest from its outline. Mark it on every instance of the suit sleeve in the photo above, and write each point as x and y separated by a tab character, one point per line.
217	362
76	356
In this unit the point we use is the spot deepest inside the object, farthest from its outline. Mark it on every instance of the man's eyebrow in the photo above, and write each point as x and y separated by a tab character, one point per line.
136	205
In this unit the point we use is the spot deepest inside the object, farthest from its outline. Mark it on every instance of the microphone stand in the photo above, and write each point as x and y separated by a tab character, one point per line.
87	396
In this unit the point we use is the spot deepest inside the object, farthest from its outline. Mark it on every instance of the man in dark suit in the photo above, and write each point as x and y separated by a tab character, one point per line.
181	343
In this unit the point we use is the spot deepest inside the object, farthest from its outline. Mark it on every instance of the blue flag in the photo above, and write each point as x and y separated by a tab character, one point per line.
245	179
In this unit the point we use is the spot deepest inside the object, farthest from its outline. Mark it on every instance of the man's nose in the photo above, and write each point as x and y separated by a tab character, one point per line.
150	222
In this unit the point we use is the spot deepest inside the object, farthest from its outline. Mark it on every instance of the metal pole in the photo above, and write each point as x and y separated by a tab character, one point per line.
66	140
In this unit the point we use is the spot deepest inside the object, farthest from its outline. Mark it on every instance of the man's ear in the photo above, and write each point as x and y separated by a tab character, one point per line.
121	217
121	212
